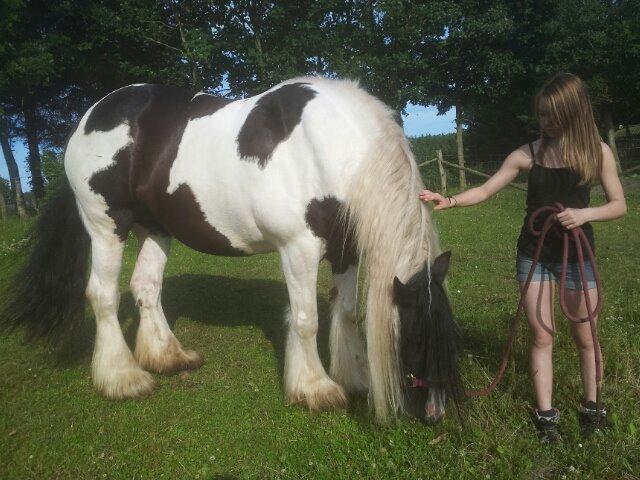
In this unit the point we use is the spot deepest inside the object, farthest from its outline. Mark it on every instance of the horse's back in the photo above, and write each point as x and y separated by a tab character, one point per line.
224	177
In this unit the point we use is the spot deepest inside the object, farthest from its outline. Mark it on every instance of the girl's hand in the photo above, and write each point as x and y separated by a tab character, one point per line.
440	202
571	218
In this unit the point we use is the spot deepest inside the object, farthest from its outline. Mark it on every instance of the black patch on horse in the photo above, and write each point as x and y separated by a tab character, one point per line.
204	104
323	218
189	225
272	120
113	184
117	107
135	185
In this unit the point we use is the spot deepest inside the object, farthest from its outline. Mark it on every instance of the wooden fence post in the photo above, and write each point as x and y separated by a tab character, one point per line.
443	175
460	144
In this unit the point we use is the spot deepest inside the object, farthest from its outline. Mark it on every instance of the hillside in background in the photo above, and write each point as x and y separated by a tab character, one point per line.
426	146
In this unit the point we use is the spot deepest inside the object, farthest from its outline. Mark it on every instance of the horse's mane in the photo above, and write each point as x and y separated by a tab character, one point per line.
396	237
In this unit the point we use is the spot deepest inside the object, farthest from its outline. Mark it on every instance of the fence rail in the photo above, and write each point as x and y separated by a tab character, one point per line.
439	176
483	167
441	162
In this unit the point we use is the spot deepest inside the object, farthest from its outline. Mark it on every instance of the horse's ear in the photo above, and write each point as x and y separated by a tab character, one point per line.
403	295
440	266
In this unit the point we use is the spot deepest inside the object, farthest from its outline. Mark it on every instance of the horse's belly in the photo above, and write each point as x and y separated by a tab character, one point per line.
187	215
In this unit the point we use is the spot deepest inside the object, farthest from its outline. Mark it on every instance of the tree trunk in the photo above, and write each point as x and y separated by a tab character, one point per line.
611	138
12	167
3	205
33	142
463	178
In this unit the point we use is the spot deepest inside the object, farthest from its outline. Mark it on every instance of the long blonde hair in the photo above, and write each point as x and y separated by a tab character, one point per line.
396	237
565	114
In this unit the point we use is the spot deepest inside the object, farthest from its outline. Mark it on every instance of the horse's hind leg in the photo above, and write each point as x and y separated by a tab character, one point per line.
115	372
348	357
305	378
157	348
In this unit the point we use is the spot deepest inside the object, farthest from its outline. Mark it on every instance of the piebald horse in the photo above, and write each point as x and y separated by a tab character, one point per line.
312	168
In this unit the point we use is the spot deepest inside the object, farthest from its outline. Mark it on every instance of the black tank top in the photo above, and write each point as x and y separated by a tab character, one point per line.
546	186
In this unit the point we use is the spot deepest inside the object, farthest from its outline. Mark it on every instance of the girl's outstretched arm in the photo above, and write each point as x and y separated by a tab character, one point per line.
517	160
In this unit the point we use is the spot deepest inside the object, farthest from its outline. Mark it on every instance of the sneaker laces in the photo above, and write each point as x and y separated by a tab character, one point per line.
547	418
590	408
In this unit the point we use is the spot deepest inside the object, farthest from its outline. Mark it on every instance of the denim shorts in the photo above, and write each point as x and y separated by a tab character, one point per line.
548	271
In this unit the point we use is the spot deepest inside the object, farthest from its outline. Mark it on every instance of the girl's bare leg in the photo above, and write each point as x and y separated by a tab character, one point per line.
581	333
539	309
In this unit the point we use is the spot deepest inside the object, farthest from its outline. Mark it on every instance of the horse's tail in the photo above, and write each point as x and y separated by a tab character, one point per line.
47	294
394	234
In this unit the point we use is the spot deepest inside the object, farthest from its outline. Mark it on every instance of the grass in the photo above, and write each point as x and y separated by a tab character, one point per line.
228	419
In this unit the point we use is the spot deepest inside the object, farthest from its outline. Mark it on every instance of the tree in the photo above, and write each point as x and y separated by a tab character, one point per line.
475	61
3	194
598	40
26	65
379	44
267	42
582	41
622	68
58	58
166	41
12	167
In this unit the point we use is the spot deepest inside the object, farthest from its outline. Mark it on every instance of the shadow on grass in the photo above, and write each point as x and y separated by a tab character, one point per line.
487	350
229	302
206	299
214	300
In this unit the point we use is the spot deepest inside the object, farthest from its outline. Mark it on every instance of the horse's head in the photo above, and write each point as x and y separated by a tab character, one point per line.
427	339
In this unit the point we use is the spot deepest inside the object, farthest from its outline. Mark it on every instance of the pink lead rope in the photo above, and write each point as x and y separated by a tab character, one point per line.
581	243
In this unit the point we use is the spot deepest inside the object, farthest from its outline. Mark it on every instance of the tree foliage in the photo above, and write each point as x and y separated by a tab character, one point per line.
484	57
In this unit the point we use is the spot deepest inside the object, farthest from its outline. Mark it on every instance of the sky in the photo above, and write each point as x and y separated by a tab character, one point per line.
418	121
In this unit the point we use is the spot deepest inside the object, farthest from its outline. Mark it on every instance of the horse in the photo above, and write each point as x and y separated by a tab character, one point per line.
312	168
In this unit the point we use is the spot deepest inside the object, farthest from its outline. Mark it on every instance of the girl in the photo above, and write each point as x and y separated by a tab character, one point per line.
561	166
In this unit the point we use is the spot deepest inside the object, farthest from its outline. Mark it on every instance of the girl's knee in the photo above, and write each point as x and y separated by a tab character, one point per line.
584	342
542	340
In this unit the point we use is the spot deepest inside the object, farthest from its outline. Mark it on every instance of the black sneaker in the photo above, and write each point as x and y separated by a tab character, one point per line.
547	424
591	419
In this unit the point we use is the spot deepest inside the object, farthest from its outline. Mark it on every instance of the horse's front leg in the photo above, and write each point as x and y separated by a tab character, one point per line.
434	408
305	379
348	357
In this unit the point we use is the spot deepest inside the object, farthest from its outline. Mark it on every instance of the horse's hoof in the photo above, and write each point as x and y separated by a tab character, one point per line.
120	384
171	359
323	394
193	360
432	414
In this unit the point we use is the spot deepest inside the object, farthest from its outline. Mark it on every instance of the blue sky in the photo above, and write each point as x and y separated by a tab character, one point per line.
417	121
421	120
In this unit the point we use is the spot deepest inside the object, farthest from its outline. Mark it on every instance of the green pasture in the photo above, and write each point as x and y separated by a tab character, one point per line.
228	419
